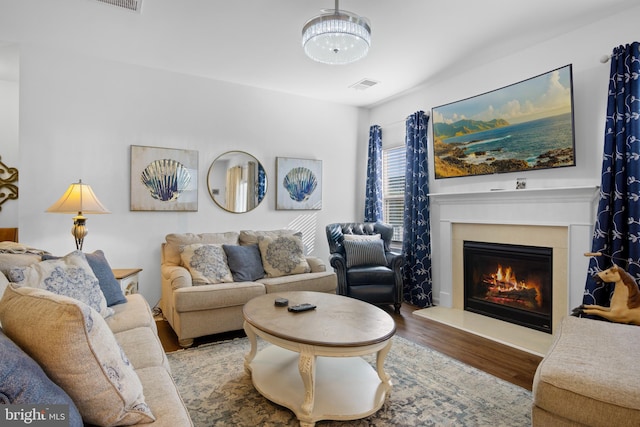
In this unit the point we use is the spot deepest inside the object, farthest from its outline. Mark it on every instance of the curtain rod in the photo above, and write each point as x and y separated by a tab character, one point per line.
605	58
402	121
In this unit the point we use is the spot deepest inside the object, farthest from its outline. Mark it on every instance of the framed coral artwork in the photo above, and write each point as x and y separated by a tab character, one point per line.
298	183
163	179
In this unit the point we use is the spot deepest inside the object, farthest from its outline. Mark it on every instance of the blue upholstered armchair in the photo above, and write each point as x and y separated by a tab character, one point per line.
365	266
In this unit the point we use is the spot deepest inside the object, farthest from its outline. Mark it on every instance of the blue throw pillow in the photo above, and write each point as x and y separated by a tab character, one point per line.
245	262
107	281
23	382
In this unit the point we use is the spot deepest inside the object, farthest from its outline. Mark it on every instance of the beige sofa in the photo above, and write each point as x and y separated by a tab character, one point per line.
134	329
195	310
589	376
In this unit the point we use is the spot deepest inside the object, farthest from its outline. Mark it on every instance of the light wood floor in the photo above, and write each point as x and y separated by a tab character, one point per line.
502	361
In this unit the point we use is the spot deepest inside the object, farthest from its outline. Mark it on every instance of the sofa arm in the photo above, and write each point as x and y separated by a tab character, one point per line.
339	264
395	260
176	275
317	264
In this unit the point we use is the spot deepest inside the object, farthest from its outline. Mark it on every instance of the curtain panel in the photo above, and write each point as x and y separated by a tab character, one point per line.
373	191
416	245
617	229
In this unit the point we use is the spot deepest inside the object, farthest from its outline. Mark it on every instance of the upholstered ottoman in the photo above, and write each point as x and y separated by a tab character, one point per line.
590	376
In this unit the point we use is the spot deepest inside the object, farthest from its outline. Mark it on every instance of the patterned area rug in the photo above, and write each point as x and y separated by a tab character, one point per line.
429	389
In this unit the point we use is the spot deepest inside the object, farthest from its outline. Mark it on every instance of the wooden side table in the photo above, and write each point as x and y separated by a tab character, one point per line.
128	279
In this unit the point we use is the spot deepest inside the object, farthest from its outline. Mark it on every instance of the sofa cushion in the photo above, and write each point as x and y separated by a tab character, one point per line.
98	376
134	314
323	281
251	237
207	264
283	256
364	252
211	297
23	382
245	262
70	275
175	241
585	378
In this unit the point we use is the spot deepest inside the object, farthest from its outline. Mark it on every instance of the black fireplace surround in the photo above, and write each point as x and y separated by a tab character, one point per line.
512	283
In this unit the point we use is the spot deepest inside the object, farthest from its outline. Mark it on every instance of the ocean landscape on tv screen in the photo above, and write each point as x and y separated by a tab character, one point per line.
521	127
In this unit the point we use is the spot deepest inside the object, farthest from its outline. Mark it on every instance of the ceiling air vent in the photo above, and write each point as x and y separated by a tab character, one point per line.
132	5
364	84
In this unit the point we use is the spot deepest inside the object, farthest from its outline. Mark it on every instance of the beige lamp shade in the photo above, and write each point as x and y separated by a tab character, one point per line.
78	199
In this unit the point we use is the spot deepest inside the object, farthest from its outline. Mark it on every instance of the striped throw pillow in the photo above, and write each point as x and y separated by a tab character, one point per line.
364	252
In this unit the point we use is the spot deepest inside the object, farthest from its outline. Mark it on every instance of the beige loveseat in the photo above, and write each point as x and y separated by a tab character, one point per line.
198	309
58	328
589	376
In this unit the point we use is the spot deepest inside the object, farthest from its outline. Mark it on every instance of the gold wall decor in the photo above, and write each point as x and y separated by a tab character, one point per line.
8	176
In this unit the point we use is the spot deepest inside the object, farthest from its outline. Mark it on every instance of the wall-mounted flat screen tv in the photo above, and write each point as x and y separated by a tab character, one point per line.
521	127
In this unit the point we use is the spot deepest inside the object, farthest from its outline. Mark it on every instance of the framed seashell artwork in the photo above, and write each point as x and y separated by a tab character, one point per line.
298	183
163	179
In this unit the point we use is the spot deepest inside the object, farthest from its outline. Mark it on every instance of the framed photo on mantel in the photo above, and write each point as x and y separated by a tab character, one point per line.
298	183
163	179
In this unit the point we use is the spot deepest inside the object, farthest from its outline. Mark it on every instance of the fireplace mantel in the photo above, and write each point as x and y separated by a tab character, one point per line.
571	207
515	197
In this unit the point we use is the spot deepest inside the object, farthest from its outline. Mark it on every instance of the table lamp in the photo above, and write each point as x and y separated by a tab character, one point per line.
79	198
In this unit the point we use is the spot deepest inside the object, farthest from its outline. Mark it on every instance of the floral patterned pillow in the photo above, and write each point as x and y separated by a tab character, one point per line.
206	263
283	256
70	275
77	350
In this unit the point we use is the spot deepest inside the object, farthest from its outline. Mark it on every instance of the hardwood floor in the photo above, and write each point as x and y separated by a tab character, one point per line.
502	361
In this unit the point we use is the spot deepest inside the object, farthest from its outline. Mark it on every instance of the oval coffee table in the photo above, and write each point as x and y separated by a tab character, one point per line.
314	367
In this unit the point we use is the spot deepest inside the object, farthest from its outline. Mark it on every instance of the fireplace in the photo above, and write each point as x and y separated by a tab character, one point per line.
509	282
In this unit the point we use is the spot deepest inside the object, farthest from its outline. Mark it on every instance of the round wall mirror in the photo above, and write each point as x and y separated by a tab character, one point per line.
237	181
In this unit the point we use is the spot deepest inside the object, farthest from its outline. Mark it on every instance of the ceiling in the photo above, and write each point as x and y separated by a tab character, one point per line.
257	42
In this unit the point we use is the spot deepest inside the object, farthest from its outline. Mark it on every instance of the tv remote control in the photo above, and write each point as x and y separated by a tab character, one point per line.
301	307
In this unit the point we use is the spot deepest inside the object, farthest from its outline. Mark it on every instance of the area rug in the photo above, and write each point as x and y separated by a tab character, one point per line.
429	389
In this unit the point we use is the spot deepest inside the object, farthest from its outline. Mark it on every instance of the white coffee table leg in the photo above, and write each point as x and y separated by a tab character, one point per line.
307	368
380	357
248	329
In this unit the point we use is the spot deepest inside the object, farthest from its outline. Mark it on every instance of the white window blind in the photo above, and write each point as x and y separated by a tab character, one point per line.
393	170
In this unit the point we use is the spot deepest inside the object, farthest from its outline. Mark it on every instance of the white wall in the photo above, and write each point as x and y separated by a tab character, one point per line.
582	48
79	116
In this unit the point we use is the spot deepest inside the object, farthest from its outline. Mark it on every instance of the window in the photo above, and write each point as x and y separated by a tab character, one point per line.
393	170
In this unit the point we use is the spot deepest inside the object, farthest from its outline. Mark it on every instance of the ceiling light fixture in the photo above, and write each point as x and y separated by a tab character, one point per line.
336	37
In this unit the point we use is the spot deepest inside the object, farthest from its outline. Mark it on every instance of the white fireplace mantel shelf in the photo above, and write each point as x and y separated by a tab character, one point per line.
529	193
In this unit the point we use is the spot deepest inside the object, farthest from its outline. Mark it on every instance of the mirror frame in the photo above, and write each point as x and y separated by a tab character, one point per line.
215	173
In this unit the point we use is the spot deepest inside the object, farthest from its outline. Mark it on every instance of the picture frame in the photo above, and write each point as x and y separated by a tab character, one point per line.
522	127
298	184
164	179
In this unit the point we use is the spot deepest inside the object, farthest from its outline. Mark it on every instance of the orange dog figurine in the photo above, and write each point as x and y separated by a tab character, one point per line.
625	302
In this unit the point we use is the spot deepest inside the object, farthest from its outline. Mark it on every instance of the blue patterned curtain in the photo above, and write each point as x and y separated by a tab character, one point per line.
373	193
416	244
617	229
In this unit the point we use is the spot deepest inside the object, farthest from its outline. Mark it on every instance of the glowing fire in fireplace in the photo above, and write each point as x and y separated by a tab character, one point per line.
504	286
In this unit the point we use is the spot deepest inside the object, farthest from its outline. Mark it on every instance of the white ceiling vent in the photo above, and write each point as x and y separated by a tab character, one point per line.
364	84
132	5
